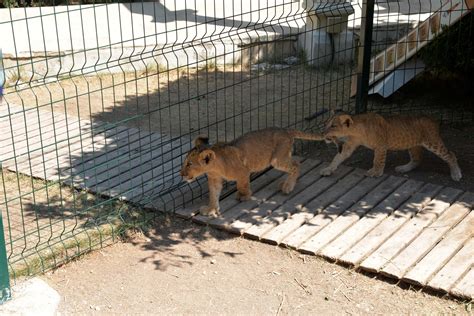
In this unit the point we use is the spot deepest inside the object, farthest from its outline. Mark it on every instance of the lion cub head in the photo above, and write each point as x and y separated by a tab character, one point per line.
198	160
338	126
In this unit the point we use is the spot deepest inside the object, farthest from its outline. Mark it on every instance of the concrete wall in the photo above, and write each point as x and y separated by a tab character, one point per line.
129	36
47	42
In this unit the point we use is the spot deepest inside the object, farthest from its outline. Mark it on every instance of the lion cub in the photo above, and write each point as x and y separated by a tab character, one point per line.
391	133
236	160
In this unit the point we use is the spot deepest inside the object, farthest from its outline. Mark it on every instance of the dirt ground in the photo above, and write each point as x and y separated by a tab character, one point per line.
182	268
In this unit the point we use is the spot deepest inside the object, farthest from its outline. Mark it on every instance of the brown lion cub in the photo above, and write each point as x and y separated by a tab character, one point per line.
236	160
391	133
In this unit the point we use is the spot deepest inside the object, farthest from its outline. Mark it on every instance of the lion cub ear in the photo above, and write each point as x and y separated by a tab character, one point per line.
347	120
206	156
201	140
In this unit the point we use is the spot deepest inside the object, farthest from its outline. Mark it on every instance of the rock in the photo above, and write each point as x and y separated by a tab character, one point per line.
32	297
279	66
260	67
292	60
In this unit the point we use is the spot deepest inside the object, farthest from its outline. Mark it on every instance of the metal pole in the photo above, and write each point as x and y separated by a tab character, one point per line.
2	77
4	277
363	62
5	293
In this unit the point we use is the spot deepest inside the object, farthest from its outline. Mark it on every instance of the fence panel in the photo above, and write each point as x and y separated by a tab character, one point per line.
102	101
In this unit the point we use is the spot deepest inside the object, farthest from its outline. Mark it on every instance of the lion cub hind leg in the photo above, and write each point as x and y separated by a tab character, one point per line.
243	188
282	161
439	149
416	155
291	167
380	154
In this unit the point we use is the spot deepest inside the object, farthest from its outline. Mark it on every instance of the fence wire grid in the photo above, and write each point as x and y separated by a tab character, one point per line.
102	100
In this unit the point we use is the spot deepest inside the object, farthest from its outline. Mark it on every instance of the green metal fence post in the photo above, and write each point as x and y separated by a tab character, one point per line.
4	277
5	293
363	63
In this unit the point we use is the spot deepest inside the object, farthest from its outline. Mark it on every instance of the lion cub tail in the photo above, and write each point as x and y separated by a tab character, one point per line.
303	135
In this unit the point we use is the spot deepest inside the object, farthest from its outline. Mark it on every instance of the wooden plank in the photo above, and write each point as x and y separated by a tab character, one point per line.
68	164
184	201
234	212
410	230
61	132
384	226
35	142
125	151
256	214
318	189
96	164
161	171
465	287
34	120
188	212
28	138
307	212
53	162
37	122
70	138
17	117
49	142
442	252
82	148
330	213
282	212
455	268
348	217
429	237
370	219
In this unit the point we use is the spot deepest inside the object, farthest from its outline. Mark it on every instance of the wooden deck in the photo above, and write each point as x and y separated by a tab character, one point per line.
103	158
417	232
412	231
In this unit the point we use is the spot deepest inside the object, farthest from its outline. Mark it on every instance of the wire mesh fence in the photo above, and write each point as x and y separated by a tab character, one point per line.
102	100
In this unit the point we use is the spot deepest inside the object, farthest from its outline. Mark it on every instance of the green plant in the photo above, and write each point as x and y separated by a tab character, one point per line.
9	3
15	76
453	50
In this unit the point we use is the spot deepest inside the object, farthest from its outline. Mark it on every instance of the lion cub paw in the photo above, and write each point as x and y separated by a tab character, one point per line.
326	172
286	187
209	211
374	173
456	174
244	197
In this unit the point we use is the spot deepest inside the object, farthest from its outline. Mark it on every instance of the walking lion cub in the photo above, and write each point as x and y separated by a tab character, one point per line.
391	133
236	160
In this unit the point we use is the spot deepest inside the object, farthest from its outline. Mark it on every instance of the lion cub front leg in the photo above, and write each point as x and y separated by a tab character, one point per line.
215	188
243	188
347	150
283	161
380	154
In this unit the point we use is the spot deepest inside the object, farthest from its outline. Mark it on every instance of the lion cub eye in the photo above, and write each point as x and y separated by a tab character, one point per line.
190	164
